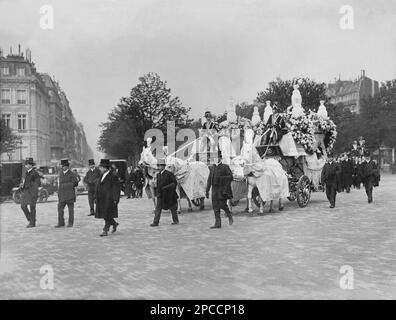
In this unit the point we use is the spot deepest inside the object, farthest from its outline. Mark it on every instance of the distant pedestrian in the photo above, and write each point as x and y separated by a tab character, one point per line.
129	191
107	197
66	194
369	175
29	187
346	171
219	180
166	194
330	177
91	178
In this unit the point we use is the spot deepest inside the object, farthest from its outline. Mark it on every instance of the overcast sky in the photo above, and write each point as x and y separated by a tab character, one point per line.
207	50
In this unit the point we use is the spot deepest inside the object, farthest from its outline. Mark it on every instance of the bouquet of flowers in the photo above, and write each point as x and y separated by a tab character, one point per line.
259	128
303	131
329	128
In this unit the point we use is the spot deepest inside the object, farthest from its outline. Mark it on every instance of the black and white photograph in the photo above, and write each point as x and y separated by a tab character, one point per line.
186	150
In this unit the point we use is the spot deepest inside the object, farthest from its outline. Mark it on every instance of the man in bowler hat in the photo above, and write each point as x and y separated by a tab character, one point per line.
29	187
66	194
330	177
107	195
369	175
90	179
220	178
166	194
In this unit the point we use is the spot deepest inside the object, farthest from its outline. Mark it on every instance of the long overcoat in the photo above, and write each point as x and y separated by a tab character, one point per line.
91	178
166	189
107	197
67	183
30	187
220	178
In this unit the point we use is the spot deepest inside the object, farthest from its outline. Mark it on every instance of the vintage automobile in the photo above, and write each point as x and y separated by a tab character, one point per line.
49	184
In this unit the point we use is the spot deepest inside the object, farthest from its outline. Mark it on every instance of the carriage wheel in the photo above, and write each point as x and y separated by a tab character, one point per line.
303	191
256	197
234	203
43	195
17	196
196	202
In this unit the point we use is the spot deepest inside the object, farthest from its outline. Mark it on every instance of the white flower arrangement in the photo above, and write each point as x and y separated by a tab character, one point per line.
327	127
303	131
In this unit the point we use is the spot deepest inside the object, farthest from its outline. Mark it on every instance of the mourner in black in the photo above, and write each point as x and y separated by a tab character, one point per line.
346	171
29	187
137	179
330	177
107	197
209	124
166	194
219	180
90	179
66	194
369	174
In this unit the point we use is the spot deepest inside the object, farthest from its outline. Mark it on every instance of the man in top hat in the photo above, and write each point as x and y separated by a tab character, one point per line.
107	197
219	180
66	194
29	187
90	179
368	172
330	177
166	194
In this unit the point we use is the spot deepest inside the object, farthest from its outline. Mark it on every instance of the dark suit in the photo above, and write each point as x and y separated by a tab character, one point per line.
66	196
166	195
346	168
29	195
107	198
90	179
330	177
220	178
368	173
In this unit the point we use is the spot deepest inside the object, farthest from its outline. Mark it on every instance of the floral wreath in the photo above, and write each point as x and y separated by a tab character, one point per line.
327	127
303	131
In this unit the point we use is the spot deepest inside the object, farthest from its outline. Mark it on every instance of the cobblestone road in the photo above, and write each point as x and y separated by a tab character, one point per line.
294	254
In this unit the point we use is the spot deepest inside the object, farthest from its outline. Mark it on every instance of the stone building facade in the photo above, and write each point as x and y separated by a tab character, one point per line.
350	93
35	107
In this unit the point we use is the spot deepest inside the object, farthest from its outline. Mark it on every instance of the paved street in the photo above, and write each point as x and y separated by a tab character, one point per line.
294	254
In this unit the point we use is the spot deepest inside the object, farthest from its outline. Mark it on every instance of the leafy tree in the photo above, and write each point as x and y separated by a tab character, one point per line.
149	105
280	92
8	140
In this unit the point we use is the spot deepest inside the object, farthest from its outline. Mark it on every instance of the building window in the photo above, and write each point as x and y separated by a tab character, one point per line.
21	96
6	96
6	117
20	72
21	121
5	71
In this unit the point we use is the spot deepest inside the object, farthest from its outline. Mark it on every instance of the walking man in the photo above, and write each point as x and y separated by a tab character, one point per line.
368	174
107	197
66	194
29	188
219	180
330	177
166	194
90	179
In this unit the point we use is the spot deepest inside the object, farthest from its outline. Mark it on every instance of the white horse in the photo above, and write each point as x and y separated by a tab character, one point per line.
266	175
191	177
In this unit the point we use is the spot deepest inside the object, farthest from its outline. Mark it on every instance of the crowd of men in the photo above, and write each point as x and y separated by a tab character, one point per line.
339	174
350	170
